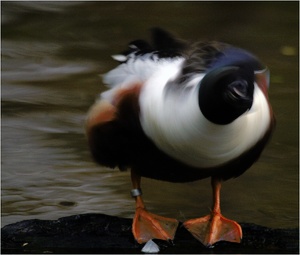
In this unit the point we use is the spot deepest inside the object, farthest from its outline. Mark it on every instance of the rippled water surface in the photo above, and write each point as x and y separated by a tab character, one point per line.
52	55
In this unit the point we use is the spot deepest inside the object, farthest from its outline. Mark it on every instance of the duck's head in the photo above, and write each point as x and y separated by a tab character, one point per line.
226	93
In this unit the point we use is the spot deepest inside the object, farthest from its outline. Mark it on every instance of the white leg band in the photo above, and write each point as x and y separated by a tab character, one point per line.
136	192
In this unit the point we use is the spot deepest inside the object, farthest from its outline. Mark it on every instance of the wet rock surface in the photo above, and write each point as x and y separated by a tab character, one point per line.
103	234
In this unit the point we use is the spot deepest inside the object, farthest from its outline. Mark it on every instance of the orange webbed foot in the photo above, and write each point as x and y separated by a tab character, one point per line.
214	228
147	226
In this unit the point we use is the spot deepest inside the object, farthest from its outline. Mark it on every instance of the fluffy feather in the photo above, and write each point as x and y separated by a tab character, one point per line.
168	113
175	123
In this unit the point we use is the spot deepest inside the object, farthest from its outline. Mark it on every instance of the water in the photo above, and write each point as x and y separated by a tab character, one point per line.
52	55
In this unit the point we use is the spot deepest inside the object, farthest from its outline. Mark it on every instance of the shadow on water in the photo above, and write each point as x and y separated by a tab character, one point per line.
52	55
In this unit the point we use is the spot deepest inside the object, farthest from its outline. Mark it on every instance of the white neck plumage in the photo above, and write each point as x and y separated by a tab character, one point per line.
177	126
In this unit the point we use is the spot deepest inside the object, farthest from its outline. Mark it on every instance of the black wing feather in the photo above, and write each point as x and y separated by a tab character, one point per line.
163	44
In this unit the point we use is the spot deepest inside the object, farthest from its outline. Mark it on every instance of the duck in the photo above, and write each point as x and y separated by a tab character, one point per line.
179	111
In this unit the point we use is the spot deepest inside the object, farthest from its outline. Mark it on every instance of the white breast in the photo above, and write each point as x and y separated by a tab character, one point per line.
176	125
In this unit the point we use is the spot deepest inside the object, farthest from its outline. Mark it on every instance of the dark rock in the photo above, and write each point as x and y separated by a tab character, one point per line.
98	233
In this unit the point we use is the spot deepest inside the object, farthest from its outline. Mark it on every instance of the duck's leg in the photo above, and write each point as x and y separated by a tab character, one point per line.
146	225
214	227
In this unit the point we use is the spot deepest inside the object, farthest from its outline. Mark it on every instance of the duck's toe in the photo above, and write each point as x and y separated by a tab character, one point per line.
147	226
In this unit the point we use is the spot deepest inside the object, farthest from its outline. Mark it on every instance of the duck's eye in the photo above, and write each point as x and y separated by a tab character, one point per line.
238	88
238	93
